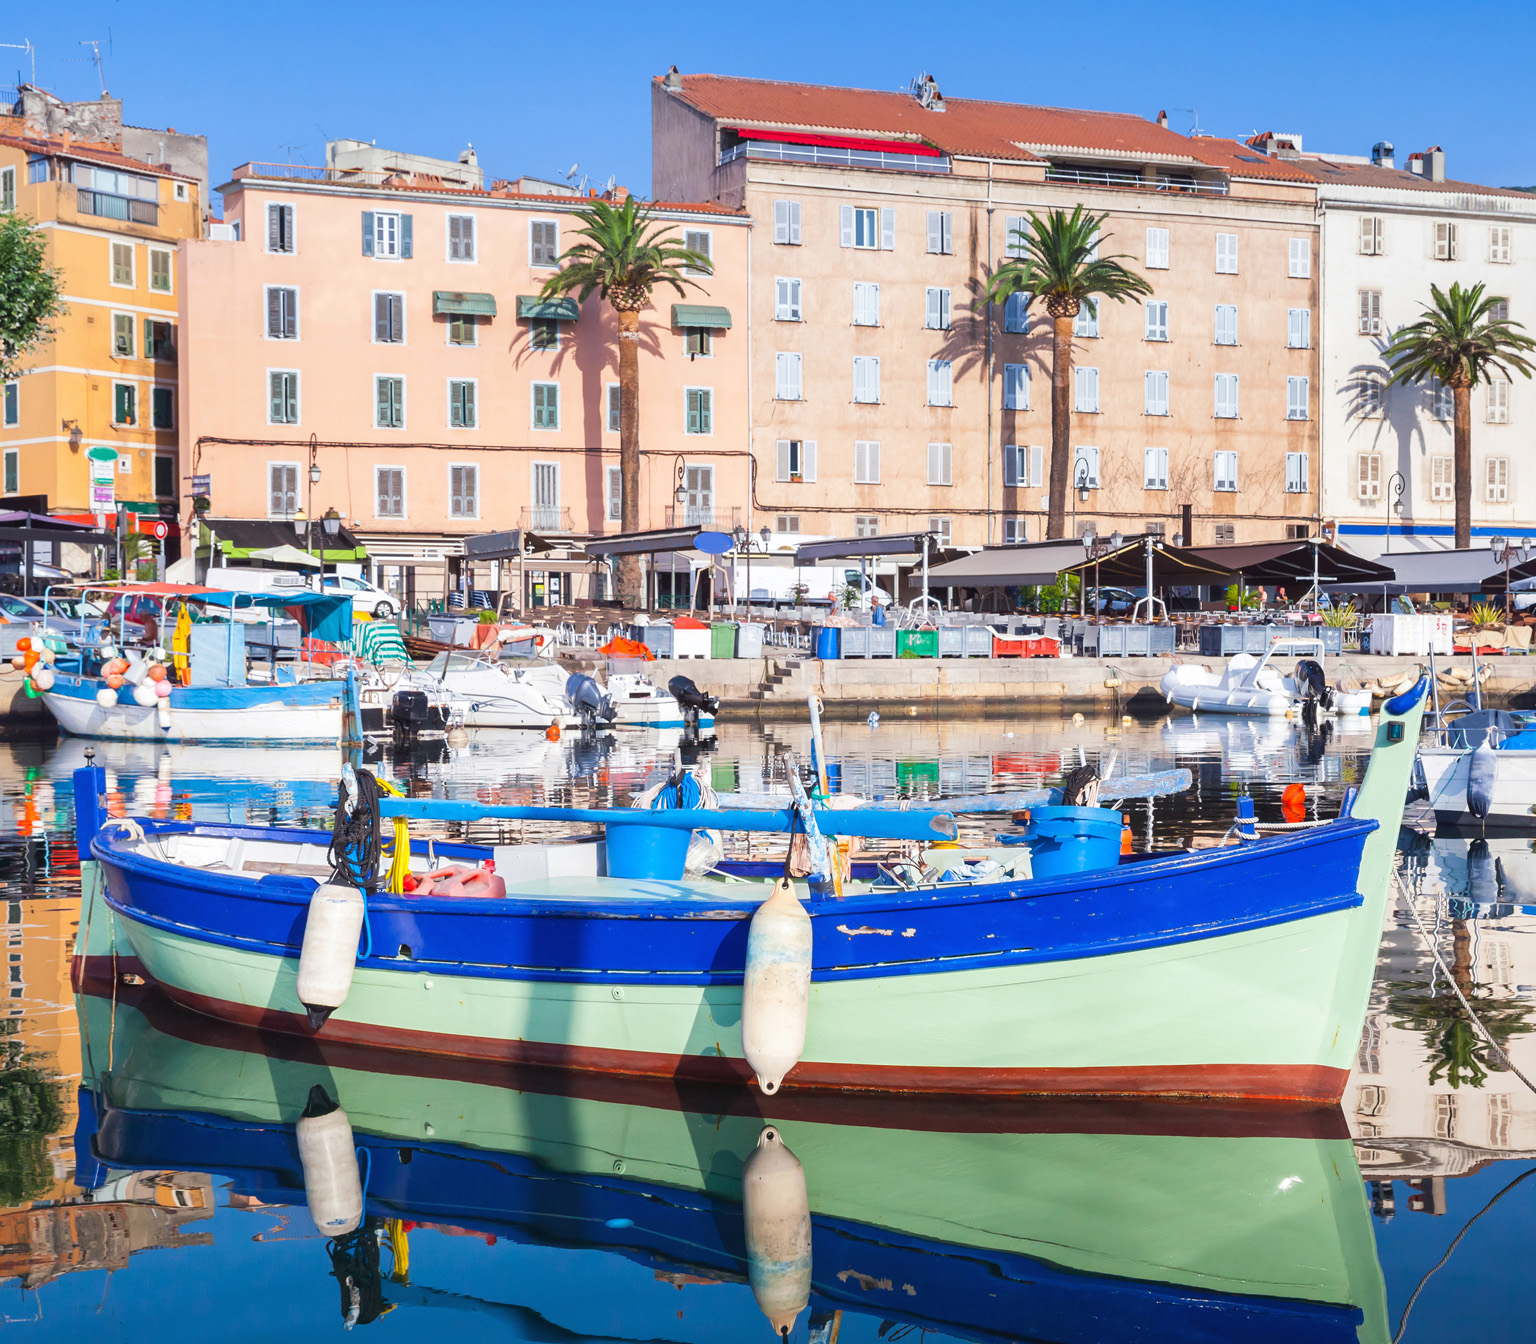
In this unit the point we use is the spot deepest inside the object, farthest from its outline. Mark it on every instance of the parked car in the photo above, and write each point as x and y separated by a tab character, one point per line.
1111	601
365	597
18	617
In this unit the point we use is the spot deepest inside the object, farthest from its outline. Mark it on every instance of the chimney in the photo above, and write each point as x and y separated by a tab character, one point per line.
1434	157
468	157
1162	119
673	81
1382	154
1416	164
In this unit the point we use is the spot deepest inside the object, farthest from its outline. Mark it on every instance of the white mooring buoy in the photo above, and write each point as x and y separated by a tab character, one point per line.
777	1213
328	1154
776	987
329	954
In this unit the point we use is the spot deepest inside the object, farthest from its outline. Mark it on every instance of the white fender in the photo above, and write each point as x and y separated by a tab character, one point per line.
1482	771
43	677
776	987
777	1214
106	697
328	1154
329	954
144	694
163	709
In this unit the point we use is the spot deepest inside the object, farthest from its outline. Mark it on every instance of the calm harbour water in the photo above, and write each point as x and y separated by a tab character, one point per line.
542	1215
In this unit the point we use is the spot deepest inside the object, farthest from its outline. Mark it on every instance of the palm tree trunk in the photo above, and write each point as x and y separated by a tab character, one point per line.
629	582
1463	463
1061	427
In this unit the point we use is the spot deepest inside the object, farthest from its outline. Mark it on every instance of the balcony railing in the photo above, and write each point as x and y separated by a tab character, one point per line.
545	518
352	177
107	206
1096	177
835	156
718	518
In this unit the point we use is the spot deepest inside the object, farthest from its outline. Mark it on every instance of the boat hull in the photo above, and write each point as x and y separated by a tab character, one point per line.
1513	797
305	713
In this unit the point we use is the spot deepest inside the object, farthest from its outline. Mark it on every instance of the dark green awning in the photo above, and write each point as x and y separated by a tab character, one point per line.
700	315
468	305
554	310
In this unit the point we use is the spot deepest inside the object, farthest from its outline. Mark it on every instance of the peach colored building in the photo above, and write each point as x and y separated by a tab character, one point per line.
881	401
384	328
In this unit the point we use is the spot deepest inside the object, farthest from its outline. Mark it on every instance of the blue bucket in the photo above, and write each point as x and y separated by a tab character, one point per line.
1065	840
636	850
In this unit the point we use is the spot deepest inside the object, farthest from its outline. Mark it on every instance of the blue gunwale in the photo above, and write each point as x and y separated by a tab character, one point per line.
683	933
299	694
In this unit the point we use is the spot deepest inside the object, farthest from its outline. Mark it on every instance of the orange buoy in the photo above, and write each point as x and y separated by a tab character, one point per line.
114	681
24	644
553	732
157	671
1293	802
1125	837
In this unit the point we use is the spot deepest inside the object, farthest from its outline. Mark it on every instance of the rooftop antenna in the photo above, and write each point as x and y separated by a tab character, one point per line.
95	45
290	149
1195	113
26	46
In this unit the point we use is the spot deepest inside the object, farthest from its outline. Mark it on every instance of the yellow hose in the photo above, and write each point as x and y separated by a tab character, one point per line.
400	857
400	1248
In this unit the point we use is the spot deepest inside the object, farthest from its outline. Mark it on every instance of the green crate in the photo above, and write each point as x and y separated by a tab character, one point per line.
917	643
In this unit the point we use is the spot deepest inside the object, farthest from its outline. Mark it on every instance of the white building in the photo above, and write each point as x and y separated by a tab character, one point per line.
1387	235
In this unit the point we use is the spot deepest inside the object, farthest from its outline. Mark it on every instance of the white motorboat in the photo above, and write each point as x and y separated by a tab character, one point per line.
1249	685
1479	772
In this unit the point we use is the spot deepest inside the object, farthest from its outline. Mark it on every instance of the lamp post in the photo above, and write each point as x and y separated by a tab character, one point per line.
330	524
739	536
1507	553
680	488
1396	484
314	480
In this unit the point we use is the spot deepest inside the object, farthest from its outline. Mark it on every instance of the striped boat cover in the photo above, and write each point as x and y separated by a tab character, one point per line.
379	642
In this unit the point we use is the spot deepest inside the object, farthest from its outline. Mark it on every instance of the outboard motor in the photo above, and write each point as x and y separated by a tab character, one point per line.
1316	693
590	700
409	714
692	701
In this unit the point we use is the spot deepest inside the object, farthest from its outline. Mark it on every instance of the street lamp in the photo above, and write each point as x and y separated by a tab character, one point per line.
739	536
314	480
1081	486
680	485
1507	553
1396	484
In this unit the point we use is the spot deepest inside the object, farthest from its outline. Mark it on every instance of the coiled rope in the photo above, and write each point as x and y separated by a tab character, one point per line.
356	849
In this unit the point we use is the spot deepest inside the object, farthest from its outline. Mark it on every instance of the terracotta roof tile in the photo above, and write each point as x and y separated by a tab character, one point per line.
91	151
1327	170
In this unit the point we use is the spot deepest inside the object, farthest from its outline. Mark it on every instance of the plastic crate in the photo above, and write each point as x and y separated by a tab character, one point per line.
1003	647
658	638
917	644
749	640
1041	647
855	642
951	641
978	641
1164	639
882	641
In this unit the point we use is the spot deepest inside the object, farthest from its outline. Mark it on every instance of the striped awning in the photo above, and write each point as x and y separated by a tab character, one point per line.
466	305
552	310
700	315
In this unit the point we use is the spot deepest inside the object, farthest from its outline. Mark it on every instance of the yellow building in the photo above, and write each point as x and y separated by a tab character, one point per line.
109	377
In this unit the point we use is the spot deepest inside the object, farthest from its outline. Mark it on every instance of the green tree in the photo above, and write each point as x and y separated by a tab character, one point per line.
1460	340
1058	263
623	254
31	292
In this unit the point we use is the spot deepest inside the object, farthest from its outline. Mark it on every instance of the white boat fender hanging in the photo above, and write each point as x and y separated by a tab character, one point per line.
329	954
1482	772
163	709
333	1186
776	987
777	1214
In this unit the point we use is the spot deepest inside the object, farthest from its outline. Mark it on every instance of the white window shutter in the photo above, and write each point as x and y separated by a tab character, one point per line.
859	461
1036	466
847	218
794	222
935	230
781	221
1010	464
1157	249
872	377
1013	227
781	300
781	459
932	318
933	463
888	229
794	377
873	450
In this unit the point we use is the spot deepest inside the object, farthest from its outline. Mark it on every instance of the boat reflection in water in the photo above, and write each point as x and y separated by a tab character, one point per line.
1075	1220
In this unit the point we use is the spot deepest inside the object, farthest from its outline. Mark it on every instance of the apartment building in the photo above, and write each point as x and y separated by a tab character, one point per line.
110	377
883	400
373	341
1387	234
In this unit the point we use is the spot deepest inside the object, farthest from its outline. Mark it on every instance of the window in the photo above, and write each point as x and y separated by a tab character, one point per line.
386	234
12	484
1157	319
463	490
1372	395
122	335
701	241
1016	235
613	408
1226	533
795	460
13	403
1296	473
160	270
122	265
1157	249
125	404
7	190
1226	396
1297	399
280	228
1298	531
463	329
941	384
699	343
1301	258
787	522
1496	480
699	417
1226	470
1445	241
698	495
1498	243
937	309
282	489
1154	468
786	223
1156	393
941	464
613	493
1085	467
1015	532
1442	400
282	397
1497	401
543	333
165	475
1015	387
546	405
866	304
1085	390
1442	480
1226	324
941	232
866	525
1023	465
1370	312
461	239
462	412
1086	323
1298	328
786	377
865	228
1498	310
389	319
940	529
1226	254
159	340
282	313
543	242
1371	236
162	408
786	303
181	191
866	463
389	402
1016	313
866	379
389	492
37	170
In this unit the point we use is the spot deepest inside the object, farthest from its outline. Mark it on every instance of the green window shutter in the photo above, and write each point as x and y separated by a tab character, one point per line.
382	387
276	398
122	404
469	405
291	397
367	233
405	235
160	407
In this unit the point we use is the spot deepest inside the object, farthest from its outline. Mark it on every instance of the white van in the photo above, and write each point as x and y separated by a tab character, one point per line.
818	585
249	579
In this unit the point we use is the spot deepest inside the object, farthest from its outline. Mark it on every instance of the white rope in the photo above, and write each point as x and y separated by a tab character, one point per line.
1288	825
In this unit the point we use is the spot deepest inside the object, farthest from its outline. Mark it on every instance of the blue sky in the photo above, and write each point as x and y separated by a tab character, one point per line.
540	87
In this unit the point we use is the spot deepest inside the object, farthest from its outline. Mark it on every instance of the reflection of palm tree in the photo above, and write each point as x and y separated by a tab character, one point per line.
1461	1055
29	1113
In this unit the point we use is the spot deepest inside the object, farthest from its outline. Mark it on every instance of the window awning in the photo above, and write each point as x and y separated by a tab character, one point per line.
552	310
700	315
1005	566
468	305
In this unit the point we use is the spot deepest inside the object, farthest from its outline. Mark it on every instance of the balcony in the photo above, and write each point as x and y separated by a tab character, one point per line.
1107	177
835	156
545	518
715	518
107	206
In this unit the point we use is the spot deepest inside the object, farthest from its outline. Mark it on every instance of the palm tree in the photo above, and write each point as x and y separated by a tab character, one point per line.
623	255
1460	340
1058	262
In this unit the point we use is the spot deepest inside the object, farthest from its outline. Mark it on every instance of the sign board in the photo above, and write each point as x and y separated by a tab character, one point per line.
152	528
103	463
202	485
100	454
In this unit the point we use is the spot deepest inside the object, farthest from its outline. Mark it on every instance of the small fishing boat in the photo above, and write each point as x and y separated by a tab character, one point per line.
1254	686
1478	771
1237	971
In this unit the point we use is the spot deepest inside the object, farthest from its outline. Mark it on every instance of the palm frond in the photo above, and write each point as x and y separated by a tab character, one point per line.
1458	340
1059	260
624	252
